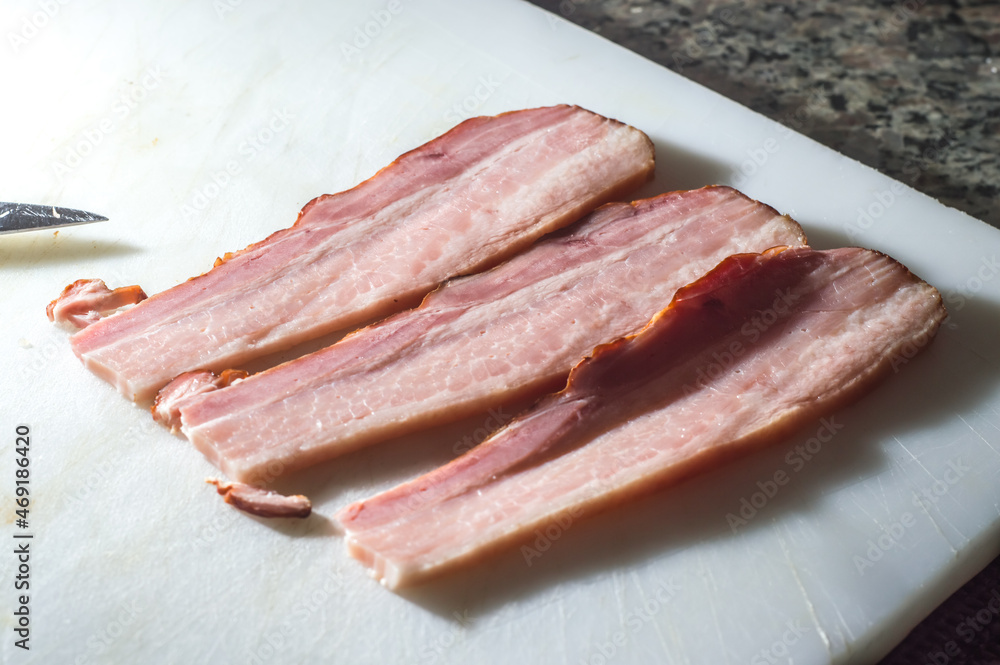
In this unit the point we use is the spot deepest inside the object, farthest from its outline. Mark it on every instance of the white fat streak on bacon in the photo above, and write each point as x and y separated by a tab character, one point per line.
87	301
457	204
656	407
484	340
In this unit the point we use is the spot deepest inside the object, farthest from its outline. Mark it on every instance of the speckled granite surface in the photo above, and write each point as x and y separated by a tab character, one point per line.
911	88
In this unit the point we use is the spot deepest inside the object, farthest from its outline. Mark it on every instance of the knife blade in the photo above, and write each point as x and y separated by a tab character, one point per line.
18	217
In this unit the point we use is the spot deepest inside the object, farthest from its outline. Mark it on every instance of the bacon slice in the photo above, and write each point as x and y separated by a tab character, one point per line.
262	502
457	204
760	345
85	301
165	407
481	341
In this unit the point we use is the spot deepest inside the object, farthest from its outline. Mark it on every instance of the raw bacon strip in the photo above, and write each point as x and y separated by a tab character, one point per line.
484	340
459	203
85	301
758	346
165	407
261	502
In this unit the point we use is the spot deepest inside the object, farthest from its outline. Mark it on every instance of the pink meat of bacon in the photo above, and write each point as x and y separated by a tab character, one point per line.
165	407
455	205
261	502
85	301
799	332
484	340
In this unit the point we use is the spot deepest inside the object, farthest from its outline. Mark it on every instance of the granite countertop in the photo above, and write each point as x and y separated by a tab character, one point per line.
911	88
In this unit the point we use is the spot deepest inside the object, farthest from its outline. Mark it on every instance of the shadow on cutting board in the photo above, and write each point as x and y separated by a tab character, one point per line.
948	377
24	250
820	238
678	168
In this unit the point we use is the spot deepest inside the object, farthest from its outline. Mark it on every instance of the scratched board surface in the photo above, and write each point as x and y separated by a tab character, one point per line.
201	127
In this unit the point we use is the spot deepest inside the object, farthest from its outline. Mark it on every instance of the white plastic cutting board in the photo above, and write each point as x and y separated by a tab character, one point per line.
199	127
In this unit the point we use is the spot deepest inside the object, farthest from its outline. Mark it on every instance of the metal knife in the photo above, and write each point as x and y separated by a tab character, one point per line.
16	217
